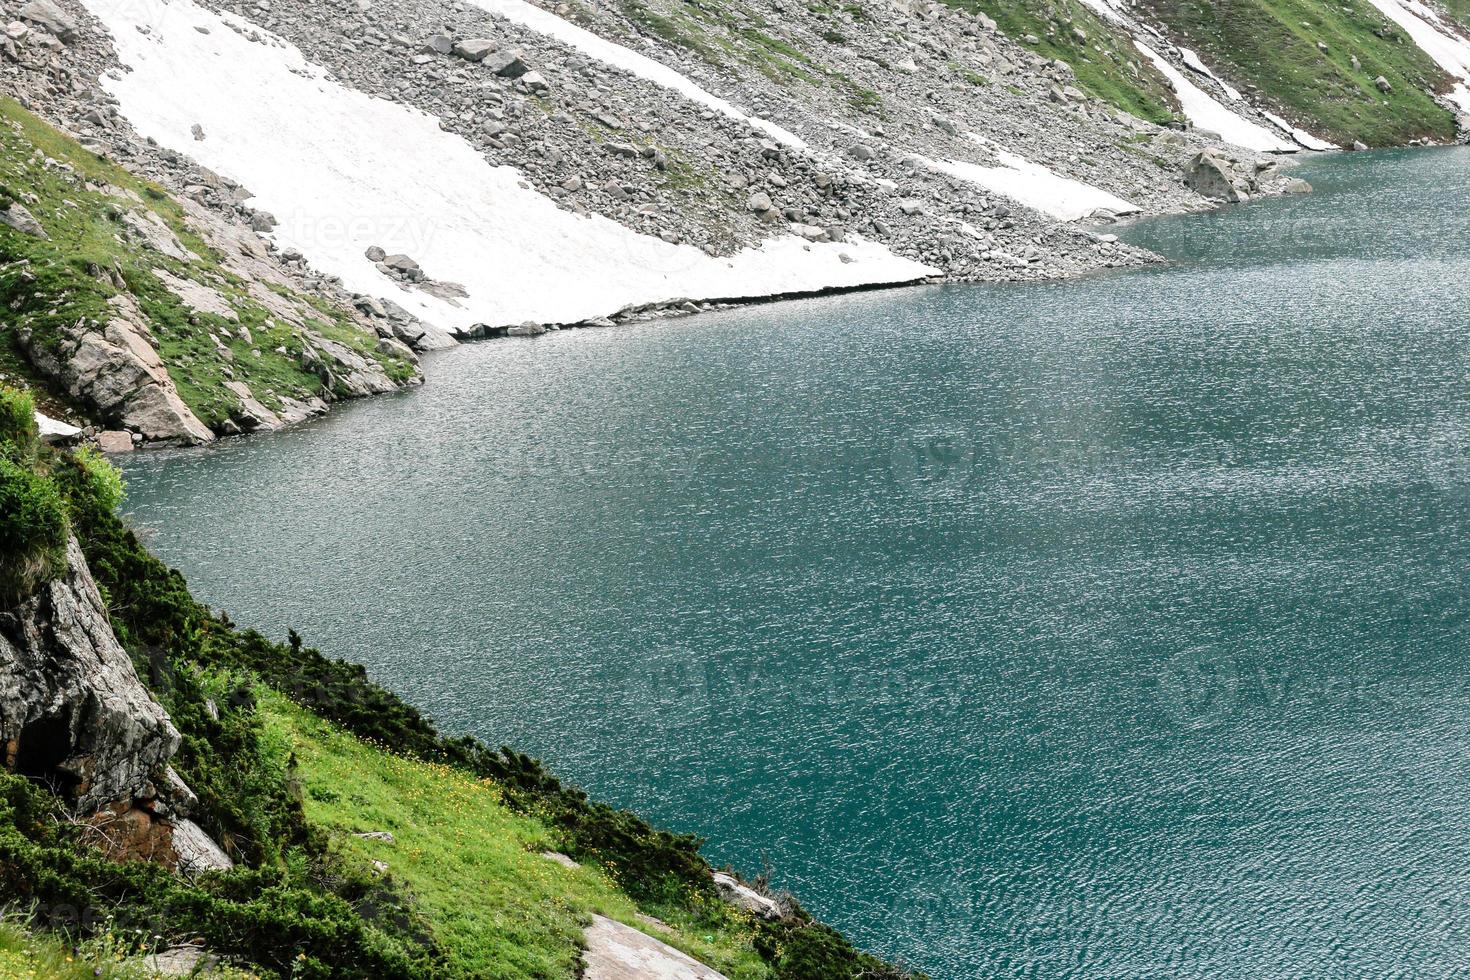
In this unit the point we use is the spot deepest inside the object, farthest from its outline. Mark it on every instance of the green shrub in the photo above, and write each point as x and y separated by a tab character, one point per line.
282	924
101	481
33	529
18	422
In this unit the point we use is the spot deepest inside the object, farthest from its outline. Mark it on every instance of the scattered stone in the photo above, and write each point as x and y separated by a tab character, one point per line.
560	859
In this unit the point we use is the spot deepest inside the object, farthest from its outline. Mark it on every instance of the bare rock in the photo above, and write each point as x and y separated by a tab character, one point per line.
619	952
16	216
744	897
72	710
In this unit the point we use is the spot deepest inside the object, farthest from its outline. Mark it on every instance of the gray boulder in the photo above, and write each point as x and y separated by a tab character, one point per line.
51	17
474	49
506	64
1214	177
744	897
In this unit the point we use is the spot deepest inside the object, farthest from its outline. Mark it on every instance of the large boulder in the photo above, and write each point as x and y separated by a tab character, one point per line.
1215	177
51	17
742	896
17	217
72	710
619	952
115	371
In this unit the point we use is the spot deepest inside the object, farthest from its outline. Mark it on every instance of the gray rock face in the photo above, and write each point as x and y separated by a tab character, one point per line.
72	710
619	952
116	372
17	217
196	851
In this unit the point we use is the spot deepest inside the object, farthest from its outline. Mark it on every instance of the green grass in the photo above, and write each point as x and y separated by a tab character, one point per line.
1273	44
472	864
48	286
1105	62
38	956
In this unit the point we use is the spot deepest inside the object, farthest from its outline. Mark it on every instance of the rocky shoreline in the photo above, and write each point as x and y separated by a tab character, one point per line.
835	136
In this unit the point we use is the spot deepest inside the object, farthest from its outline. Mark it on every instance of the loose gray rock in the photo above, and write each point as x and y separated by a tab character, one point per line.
474	49
506	64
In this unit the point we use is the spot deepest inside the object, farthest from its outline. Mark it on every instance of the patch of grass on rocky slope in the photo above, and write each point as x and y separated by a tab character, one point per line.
1273	44
497	908
91	209
1104	60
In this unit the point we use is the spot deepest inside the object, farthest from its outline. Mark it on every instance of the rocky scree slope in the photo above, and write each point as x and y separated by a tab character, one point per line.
970	140
900	126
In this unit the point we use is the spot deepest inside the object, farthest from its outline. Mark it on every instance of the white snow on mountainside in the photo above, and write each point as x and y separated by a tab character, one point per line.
342	171
1034	185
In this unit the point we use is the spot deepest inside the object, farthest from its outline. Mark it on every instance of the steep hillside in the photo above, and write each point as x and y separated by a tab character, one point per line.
144	311
176	784
1319	64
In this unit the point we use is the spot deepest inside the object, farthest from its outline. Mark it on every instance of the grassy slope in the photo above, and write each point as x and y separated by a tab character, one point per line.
473	866
48	285
1272	44
1115	73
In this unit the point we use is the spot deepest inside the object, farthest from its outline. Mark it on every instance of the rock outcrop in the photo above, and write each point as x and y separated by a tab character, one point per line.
73	712
75	716
619	952
116	372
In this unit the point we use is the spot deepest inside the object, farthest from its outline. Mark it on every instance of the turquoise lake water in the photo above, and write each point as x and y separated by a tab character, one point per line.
1113	628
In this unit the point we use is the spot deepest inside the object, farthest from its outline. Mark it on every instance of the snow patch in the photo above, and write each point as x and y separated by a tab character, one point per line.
1033	185
1193	62
1448	49
1208	114
1303	137
55	430
548	23
341	171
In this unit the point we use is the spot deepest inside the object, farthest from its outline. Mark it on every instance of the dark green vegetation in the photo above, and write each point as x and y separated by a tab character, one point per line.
100	219
1104	60
295	906
33	520
1273	45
